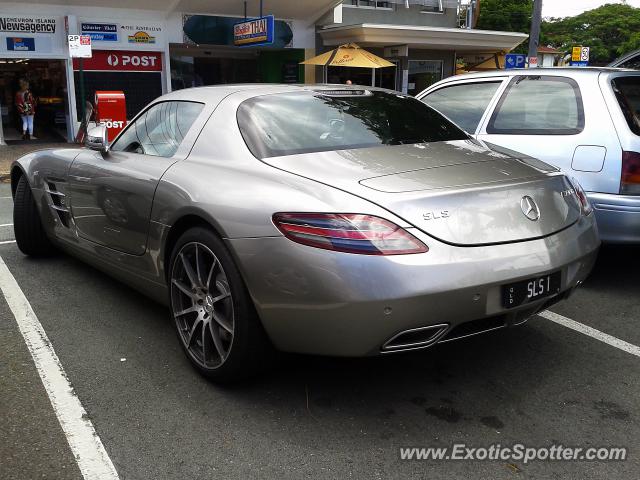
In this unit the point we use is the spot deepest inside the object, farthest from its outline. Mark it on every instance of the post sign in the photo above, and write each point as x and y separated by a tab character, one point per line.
79	46
580	56
122	61
515	60
258	31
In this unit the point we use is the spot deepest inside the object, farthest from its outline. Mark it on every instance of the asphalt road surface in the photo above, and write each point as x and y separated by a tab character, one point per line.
312	417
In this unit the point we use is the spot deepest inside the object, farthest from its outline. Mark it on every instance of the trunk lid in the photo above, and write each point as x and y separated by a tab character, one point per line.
460	192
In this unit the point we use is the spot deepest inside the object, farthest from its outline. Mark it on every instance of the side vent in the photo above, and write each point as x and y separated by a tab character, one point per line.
58	203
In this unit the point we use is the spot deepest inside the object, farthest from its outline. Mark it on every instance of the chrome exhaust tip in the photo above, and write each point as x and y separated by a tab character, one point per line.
415	338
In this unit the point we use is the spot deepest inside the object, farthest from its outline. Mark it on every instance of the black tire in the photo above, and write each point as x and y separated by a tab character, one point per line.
249	350
27	225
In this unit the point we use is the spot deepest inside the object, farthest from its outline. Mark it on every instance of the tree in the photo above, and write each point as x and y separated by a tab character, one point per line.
506	15
610	30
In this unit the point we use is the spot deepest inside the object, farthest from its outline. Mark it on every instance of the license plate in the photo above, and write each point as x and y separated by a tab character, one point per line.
530	290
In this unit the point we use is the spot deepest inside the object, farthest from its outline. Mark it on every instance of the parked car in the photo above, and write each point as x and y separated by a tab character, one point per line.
325	220
586	121
629	60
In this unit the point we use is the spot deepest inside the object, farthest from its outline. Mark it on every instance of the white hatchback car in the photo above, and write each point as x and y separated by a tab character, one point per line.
585	121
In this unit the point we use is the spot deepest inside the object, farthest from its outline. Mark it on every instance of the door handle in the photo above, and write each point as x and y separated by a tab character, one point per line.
80	179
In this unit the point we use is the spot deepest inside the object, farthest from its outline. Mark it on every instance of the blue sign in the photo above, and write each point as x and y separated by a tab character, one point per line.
515	60
579	64
21	44
102	37
101	32
258	31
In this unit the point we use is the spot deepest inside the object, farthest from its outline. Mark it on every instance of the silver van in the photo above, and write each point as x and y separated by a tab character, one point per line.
585	121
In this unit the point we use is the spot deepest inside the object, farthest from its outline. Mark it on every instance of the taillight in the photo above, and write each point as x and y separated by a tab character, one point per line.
585	204
630	181
349	233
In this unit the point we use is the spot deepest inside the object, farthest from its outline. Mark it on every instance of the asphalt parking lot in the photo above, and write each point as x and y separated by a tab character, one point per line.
312	417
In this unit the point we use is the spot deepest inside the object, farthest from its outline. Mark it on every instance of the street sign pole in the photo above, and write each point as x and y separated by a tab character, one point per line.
2	142
83	103
534	36
80	48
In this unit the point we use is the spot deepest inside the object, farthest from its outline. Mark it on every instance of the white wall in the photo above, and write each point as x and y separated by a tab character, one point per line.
547	60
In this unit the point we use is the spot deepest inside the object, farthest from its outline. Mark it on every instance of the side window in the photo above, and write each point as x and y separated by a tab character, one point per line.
539	105
160	130
627	91
465	104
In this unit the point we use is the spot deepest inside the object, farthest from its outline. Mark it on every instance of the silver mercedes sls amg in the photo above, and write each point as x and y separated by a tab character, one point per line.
330	220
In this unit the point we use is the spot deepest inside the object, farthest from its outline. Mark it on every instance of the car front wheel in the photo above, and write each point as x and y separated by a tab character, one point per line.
27	225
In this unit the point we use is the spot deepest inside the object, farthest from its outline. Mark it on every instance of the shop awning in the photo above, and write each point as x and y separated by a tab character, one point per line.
432	38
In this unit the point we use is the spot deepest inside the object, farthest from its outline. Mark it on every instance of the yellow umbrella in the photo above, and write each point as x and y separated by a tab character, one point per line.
349	55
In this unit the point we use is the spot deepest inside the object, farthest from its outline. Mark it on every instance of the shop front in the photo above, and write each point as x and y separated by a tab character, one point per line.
209	54
127	56
33	50
423	54
137	74
144	50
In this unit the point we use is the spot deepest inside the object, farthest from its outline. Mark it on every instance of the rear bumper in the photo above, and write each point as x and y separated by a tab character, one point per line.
618	217
321	302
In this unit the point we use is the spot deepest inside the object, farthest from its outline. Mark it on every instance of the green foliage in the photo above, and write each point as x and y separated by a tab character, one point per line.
610	30
505	15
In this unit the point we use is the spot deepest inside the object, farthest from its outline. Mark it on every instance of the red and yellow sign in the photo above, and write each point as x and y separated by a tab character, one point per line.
141	37
258	31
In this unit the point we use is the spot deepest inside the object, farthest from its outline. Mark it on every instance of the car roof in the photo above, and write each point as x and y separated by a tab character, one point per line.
625	58
570	71
208	93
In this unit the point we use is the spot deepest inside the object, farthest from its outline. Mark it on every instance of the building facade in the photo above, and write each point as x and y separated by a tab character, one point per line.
423	38
161	45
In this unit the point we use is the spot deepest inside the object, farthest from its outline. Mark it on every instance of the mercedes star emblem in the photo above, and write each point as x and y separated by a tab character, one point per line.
530	208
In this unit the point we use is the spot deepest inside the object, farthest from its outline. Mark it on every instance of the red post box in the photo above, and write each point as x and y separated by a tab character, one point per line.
111	111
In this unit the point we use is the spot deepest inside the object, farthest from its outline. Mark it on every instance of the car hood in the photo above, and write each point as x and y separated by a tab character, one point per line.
461	192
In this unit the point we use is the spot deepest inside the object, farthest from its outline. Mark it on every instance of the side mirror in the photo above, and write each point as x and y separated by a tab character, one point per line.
97	139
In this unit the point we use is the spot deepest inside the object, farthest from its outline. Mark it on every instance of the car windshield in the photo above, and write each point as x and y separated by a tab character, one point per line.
627	90
304	122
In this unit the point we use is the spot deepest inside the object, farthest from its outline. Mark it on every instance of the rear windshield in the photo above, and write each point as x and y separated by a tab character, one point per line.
627	90
304	122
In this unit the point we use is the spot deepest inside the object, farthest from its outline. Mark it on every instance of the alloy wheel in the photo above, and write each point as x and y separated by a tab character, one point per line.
202	305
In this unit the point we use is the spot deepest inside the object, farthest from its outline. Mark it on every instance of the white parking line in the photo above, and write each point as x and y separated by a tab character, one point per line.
7	241
5	198
86	446
591	332
6	224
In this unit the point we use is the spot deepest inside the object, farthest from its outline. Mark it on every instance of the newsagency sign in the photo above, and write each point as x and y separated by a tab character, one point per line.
27	25
258	31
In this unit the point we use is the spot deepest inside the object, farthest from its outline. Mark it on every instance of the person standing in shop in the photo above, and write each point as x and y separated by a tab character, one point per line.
26	105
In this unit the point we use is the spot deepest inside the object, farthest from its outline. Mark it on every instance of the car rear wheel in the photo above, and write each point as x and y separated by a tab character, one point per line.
27	225
216	322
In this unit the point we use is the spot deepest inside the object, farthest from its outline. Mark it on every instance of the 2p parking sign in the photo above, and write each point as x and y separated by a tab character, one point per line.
79	46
